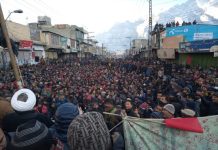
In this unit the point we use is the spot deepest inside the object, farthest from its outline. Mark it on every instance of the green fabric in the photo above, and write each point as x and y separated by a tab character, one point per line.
142	134
202	59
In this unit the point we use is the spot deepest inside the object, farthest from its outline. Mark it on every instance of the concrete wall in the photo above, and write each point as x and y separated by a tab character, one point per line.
18	31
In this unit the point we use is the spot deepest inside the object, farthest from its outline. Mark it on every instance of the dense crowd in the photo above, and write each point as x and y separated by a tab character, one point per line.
72	96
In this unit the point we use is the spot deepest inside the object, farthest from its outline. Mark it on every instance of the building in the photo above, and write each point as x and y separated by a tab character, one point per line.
190	44
21	35
44	20
89	48
138	47
62	40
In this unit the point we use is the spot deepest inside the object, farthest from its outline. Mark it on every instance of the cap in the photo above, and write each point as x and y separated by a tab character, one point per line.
188	112
170	108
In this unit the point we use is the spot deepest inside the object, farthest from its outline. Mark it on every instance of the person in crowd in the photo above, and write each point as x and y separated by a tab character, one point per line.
212	106
60	99
89	131
187	113
23	106
177	23
129	108
63	117
194	22
111	120
3	142
168	111
32	135
42	108
5	108
89	83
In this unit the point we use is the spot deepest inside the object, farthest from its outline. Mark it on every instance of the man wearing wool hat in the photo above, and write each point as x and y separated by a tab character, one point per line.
23	102
32	135
168	111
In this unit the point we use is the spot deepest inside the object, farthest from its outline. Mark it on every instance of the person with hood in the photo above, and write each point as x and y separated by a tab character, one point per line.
23	102
63	117
89	132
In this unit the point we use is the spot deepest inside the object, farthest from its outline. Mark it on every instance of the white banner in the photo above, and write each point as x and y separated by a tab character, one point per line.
203	36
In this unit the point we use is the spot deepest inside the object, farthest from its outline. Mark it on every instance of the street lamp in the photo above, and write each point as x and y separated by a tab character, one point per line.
19	11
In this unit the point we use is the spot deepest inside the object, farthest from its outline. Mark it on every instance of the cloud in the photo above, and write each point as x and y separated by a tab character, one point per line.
210	7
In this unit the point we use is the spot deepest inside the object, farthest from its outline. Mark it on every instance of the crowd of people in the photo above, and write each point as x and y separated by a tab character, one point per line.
176	24
72	96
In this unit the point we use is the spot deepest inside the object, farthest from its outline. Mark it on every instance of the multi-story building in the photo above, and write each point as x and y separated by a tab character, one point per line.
30	51
190	44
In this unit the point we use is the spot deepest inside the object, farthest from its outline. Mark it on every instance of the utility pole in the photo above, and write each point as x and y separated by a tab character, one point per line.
150	29
12	56
102	49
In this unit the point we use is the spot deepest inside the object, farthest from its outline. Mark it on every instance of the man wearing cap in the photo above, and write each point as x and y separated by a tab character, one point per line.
187	113
168	111
23	102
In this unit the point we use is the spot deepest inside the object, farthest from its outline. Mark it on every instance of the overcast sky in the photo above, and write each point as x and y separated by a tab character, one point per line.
95	15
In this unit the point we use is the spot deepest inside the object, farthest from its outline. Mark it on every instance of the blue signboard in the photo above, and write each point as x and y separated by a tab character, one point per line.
194	32
197	46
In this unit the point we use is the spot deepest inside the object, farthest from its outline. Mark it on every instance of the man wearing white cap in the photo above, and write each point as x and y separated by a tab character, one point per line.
187	113
168	111
23	102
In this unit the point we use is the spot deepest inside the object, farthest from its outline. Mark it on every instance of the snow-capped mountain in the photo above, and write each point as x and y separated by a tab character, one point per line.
204	11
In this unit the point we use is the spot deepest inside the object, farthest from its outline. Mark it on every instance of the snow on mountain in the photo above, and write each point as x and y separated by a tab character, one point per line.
203	11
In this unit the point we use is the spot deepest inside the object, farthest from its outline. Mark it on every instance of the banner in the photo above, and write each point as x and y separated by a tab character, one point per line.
194	32
203	36
142	134
172	42
26	44
198	46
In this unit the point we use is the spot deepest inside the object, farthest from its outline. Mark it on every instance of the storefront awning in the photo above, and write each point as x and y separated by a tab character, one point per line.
38	48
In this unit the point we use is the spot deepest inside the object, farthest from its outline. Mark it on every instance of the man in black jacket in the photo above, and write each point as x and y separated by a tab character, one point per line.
211	106
23	102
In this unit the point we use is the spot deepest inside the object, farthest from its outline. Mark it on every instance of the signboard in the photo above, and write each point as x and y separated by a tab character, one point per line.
172	42
197	46
26	44
166	54
194	32
153	134
203	36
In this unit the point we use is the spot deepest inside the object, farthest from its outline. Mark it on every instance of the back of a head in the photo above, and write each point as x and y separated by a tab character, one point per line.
63	117
5	108
3	142
89	131
23	100
32	135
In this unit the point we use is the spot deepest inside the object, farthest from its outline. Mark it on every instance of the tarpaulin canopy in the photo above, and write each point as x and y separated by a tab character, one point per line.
153	134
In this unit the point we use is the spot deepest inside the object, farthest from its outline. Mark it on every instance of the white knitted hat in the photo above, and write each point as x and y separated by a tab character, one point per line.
25	104
170	108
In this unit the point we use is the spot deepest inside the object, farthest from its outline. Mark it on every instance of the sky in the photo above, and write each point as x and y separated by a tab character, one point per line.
96	16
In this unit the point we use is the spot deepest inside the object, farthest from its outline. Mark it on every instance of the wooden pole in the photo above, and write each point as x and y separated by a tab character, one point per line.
12	56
